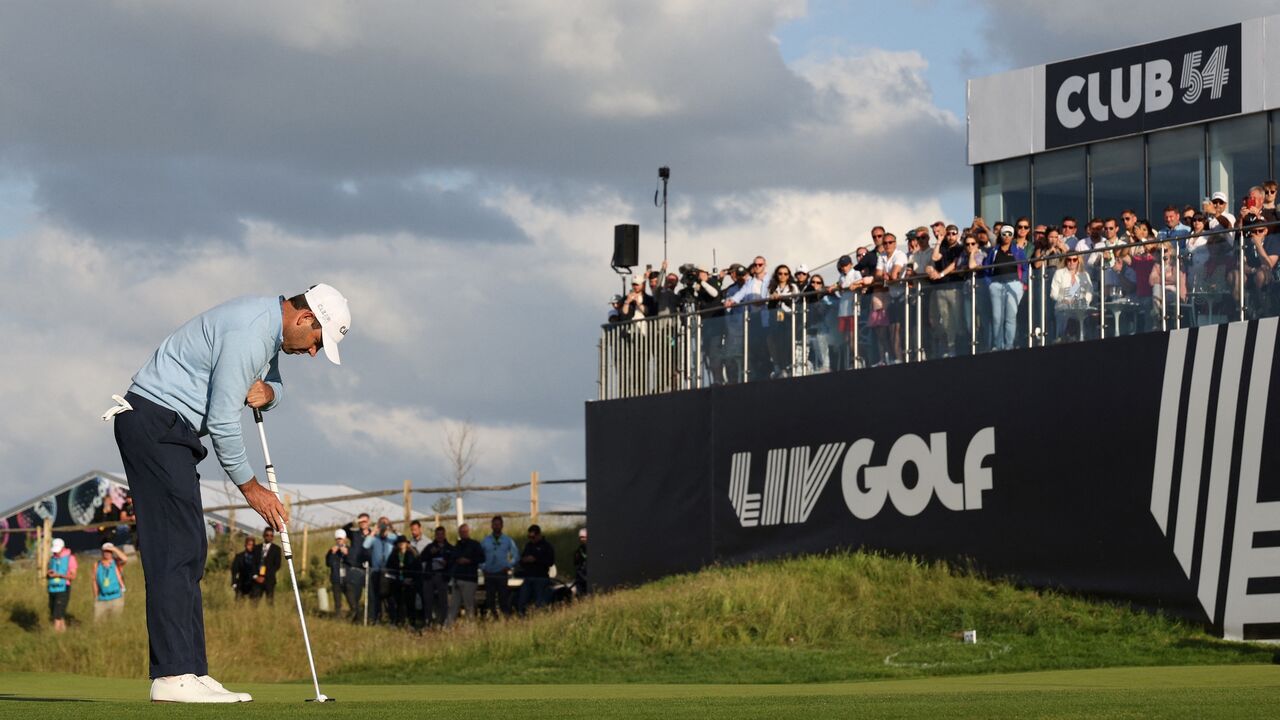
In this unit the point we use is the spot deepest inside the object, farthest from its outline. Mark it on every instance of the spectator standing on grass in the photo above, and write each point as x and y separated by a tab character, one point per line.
336	561
62	570
536	561
272	557
419	541
464	563
378	547
500	557
357	575
108	582
244	570
580	582
434	559
402	581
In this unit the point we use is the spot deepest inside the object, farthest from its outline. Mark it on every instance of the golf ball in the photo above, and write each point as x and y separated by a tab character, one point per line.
322	698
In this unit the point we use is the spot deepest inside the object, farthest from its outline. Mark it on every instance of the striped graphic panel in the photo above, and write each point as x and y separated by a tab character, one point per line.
1167	434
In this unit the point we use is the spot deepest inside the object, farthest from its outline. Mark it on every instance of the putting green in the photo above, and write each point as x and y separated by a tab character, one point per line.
1199	691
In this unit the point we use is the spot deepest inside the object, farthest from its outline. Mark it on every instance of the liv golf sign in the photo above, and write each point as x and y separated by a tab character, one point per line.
1172	82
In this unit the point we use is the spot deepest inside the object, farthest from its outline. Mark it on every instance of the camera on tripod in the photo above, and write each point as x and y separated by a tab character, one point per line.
689	274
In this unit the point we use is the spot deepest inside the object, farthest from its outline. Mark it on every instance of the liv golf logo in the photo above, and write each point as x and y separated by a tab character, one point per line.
1235	567
795	478
1143	88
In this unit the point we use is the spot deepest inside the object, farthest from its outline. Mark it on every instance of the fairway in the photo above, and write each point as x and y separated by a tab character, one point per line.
1213	691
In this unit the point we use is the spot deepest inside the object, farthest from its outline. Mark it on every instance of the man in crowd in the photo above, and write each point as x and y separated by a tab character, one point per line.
890	263
939	229
1216	212
336	561
61	572
467	557
580	583
500	557
704	296
244	570
1070	234
272	557
198	381
536	561
378	547
754	288
435	558
734	361
419	541
1266	272
1129	218
108	582
1174	231
945	302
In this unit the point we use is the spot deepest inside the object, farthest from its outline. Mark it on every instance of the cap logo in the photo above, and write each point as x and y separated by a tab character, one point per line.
342	330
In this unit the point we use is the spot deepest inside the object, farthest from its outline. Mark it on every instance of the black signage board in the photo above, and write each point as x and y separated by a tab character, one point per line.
1146	87
1045	466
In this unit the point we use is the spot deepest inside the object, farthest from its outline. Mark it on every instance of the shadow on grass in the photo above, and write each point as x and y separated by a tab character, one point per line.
1228	648
4	697
24	617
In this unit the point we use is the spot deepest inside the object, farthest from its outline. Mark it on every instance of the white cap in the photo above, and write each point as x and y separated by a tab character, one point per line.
108	546
331	310
339	534
57	545
802	268
1219	196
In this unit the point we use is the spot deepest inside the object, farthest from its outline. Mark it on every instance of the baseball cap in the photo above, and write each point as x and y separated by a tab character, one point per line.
635	280
737	268
330	308
844	260
1219	196
615	299
339	534
108	546
57	545
802	268
1006	230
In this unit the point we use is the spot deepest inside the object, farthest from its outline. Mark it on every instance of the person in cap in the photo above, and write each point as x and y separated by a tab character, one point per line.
62	570
335	561
401	572
197	383
108	582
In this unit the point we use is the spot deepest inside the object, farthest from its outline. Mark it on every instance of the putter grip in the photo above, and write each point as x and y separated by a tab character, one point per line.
257	415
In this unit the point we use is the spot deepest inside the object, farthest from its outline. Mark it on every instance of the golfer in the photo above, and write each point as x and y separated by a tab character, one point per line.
196	384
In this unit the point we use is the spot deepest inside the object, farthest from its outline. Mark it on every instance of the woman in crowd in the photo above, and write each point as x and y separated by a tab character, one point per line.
820	306
1172	291
1072	291
780	308
1006	268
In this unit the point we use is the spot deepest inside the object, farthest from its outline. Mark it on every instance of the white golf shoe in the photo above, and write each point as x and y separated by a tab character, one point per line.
188	689
214	684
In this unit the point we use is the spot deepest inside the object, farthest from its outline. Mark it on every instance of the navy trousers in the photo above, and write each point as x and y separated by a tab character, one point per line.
160	452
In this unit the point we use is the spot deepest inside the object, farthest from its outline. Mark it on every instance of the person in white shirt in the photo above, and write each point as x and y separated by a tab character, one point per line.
890	262
1072	290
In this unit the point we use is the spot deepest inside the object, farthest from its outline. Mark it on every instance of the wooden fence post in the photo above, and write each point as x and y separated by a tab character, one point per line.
533	497
305	528
40	551
408	506
461	518
46	551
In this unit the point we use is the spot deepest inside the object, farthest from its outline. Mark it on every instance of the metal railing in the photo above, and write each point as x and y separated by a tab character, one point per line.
1202	279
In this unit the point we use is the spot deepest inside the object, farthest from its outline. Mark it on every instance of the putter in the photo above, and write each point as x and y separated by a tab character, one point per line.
288	556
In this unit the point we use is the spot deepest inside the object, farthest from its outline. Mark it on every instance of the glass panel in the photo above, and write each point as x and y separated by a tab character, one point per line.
1060	186
1275	147
1237	156
1117	177
1175	173
1006	190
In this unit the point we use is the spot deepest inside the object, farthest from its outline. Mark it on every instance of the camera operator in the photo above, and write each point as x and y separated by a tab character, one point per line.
701	294
732	354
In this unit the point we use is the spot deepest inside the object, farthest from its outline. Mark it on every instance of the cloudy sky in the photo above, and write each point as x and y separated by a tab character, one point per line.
456	169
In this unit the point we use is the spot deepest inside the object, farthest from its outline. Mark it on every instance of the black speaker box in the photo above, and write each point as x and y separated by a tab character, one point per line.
626	246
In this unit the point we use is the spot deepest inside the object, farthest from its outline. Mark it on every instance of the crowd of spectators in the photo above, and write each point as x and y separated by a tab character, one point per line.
986	286
420	582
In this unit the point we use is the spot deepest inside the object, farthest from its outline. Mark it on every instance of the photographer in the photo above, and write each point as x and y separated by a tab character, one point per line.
701	294
732	354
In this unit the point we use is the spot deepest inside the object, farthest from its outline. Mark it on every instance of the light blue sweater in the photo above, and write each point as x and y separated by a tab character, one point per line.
204	369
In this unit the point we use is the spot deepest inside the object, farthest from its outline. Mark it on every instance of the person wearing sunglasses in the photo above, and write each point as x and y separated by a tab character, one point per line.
1006	285
821	323
779	321
1071	292
944	291
1266	275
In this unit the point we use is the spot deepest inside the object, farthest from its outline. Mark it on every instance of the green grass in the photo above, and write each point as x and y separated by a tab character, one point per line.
1190	692
819	619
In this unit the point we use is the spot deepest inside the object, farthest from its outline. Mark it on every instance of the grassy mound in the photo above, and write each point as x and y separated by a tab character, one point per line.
824	618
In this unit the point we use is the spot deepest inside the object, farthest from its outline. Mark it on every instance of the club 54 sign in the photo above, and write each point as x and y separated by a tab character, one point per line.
1171	82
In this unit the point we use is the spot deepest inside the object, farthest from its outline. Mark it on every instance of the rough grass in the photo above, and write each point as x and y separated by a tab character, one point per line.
815	619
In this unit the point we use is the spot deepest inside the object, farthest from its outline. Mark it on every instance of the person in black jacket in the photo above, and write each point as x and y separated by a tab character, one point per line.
244	570
401	572
355	561
580	583
434	559
464	564
335	560
272	557
535	568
